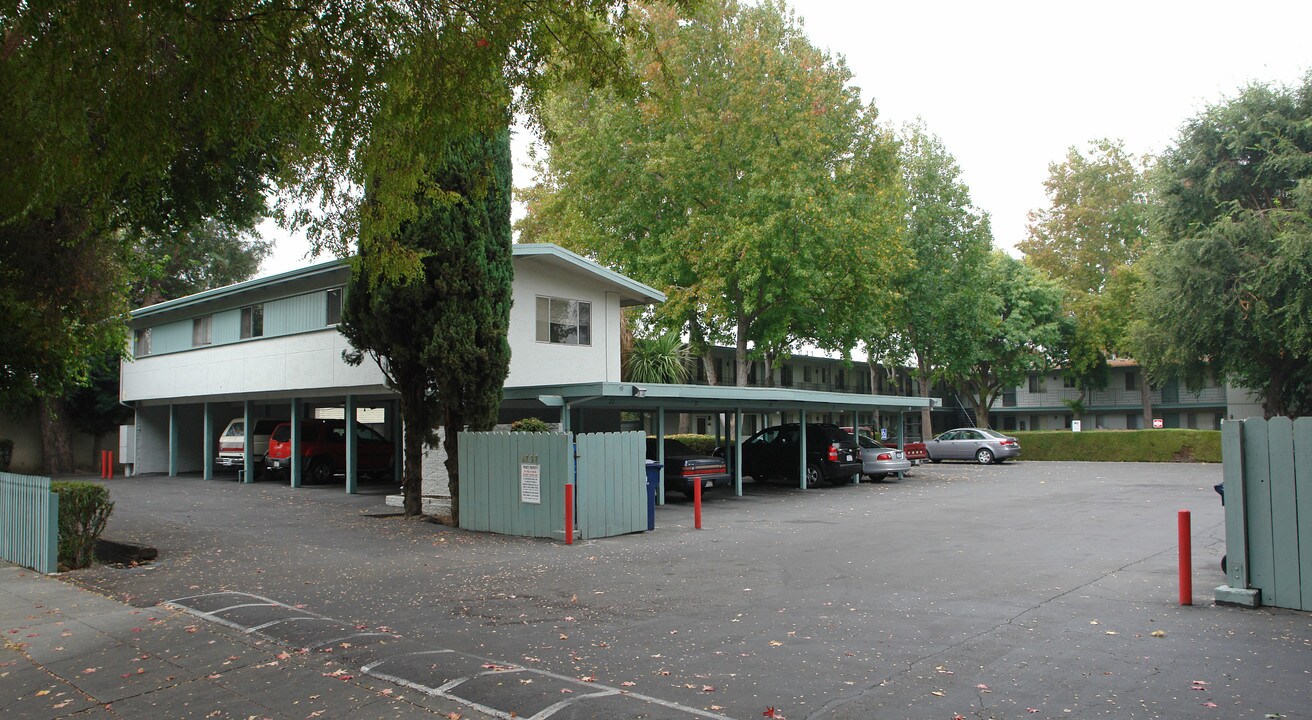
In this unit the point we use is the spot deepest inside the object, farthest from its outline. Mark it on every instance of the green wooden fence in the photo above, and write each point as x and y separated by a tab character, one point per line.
612	483
514	483
1268	513
29	522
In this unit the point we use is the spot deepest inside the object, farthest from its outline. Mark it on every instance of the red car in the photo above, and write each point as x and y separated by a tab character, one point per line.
323	450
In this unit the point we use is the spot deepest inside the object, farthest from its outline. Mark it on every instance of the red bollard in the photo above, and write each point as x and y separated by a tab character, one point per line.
104	465
697	504
109	464
569	514
1186	561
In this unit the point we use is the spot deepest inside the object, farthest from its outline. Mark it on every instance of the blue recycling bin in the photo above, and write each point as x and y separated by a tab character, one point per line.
653	488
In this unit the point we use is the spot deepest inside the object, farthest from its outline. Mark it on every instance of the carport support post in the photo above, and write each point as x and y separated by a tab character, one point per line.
801	442
173	440
398	443
295	461
352	446
901	438
248	442
738	452
856	437
208	438
660	452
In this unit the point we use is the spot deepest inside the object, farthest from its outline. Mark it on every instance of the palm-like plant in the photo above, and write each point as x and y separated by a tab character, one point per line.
660	359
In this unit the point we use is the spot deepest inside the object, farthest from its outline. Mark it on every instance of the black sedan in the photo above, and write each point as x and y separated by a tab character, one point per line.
685	466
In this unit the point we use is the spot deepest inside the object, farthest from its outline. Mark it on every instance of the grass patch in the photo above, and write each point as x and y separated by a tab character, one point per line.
1122	445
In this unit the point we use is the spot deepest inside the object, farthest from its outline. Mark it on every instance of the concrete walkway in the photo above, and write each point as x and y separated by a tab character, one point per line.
71	653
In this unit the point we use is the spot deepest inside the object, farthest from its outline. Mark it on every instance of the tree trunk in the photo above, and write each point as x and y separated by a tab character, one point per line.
57	451
414	432
452	424
981	402
1146	395
923	375
740	355
708	362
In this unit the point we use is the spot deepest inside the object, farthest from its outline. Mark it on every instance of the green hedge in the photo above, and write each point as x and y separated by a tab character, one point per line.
700	443
84	510
1122	445
530	424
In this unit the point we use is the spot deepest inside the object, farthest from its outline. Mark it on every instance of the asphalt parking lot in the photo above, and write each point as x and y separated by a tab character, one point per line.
1036	590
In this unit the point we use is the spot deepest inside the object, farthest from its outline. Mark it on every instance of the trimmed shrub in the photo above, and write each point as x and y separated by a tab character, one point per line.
1166	445
84	509
530	424
701	443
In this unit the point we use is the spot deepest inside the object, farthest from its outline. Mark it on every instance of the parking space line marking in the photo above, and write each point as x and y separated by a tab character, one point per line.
345	637
295	619
445	690
553	709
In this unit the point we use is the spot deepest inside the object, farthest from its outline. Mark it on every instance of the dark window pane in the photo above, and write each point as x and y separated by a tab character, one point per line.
334	314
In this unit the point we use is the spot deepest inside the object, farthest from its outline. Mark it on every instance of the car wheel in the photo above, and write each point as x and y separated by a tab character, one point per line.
813	476
934	460
984	456
319	470
877	477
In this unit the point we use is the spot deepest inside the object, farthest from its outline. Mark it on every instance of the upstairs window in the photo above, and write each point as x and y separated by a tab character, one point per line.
1130	384
252	321
334	314
1067	381
1036	383
201	332
141	343
564	322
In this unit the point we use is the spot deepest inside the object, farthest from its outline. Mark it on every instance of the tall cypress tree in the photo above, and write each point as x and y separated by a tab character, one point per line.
441	339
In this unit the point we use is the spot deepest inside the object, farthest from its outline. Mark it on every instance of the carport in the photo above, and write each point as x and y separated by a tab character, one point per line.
732	402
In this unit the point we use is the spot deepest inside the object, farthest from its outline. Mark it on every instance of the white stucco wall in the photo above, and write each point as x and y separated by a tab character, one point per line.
304	362
540	363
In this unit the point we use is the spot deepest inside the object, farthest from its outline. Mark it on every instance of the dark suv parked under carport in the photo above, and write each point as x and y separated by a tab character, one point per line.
831	453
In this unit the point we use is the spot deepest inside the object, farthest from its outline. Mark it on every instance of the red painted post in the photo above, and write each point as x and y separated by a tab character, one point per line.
697	504
1186	561
104	466
569	513
109	464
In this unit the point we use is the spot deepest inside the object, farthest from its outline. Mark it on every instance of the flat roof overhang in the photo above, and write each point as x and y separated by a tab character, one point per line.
661	396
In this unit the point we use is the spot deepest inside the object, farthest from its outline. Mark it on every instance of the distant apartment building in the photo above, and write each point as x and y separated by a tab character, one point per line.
1039	404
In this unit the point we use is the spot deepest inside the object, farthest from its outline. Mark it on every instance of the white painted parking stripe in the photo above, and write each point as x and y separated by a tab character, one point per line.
287	620
334	641
445	691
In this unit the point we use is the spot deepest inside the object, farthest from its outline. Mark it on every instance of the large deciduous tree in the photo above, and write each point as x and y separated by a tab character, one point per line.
1021	332
748	181
1227	285
154	116
440	338
1091	233
941	307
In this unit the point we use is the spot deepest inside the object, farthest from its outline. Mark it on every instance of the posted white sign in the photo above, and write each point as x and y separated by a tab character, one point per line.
530	483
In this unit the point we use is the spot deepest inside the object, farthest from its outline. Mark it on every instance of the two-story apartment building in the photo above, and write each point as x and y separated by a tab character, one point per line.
269	348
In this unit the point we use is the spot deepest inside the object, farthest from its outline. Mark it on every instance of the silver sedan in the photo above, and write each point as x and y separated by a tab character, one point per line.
978	444
878	462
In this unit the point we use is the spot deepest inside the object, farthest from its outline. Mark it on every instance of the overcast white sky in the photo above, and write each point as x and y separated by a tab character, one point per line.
1010	86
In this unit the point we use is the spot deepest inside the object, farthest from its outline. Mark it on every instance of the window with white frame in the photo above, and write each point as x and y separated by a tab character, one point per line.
252	321
141	343
564	322
334	312
201	331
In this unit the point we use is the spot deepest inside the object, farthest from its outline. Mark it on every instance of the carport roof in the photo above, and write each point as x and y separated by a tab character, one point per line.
660	396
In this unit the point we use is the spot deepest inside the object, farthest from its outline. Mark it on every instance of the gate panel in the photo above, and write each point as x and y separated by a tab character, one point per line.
493	496
612	485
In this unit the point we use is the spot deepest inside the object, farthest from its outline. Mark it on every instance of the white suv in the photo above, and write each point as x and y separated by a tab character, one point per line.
232	442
